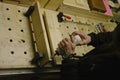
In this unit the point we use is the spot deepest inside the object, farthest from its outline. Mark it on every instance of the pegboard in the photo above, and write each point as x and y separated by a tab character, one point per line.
16	50
59	30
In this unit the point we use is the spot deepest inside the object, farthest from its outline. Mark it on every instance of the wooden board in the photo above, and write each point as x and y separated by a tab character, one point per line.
40	34
58	31
16	50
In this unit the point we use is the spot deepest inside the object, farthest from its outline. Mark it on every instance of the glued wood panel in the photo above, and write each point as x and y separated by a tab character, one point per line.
16	50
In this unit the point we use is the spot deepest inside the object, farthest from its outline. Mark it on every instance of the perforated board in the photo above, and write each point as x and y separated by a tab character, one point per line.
16	49
57	31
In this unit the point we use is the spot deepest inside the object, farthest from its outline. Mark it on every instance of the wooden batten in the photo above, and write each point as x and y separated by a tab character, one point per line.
40	34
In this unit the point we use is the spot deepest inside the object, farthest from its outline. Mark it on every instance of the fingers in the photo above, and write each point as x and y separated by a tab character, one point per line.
85	38
72	38
81	34
66	45
83	42
63	43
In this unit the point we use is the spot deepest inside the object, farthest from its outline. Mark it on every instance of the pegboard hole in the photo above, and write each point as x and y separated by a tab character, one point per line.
19	11
8	18
9	29
59	25
25	52
22	30
75	28
7	9
88	30
20	20
12	52
23	41
67	26
82	29
92	23
11	40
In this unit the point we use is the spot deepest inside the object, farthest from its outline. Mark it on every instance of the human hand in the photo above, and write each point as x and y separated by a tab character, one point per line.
67	45
85	39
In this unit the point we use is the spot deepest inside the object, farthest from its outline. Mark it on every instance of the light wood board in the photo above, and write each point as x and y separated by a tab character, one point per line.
16	49
40	34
